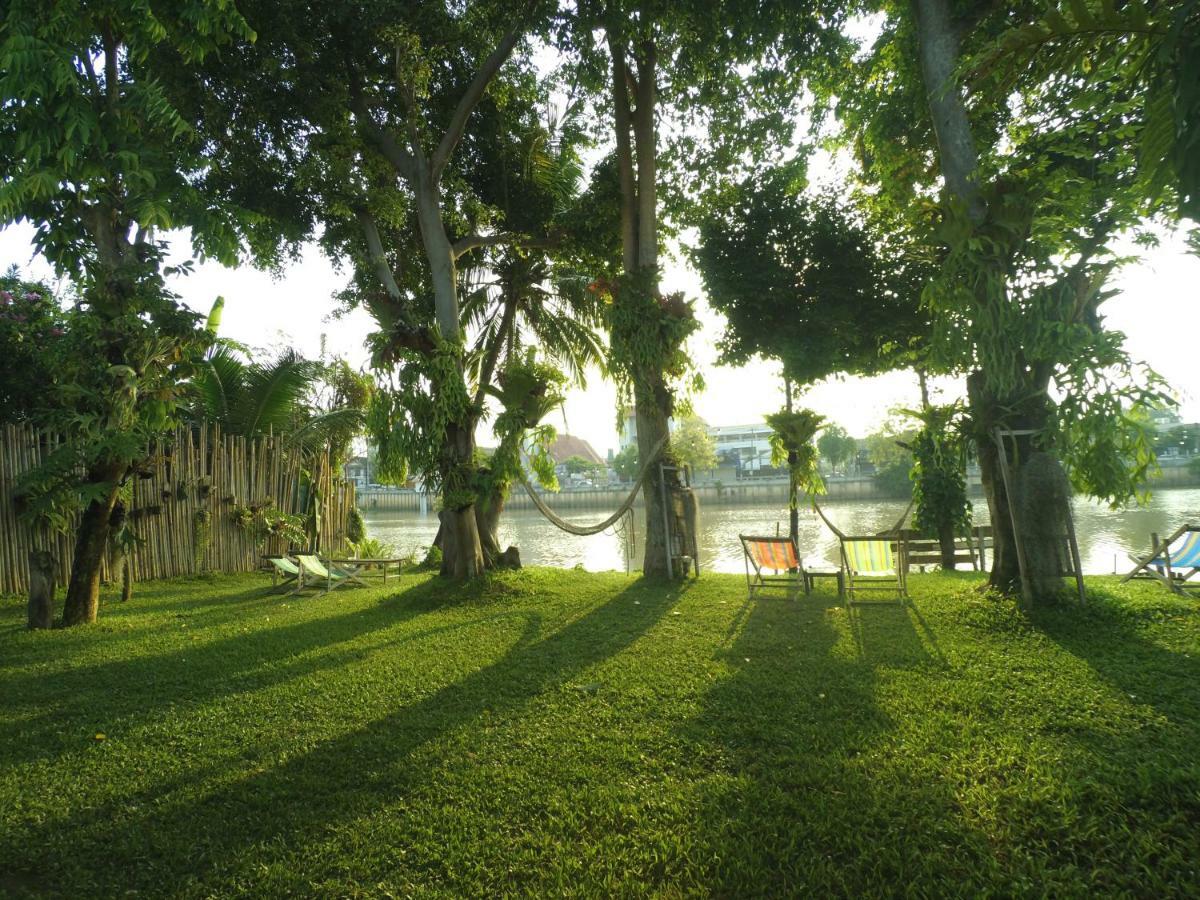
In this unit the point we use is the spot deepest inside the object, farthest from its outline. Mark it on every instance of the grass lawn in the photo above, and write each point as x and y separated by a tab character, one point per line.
556	732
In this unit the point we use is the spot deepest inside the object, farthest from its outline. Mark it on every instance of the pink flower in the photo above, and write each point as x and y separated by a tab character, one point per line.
6	297
31	296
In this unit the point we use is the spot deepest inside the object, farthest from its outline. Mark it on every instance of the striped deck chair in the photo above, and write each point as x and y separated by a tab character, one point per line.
283	568
316	572
874	564
1173	561
777	555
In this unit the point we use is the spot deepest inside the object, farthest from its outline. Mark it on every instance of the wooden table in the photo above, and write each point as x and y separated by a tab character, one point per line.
357	569
811	575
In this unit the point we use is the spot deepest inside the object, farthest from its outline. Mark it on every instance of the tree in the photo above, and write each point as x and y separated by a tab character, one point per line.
402	130
626	463
319	406
890	454
623	47
98	159
939	475
805	281
1035	188
836	446
692	445
31	319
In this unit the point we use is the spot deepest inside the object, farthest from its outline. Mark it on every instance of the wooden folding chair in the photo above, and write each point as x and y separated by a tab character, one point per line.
774	554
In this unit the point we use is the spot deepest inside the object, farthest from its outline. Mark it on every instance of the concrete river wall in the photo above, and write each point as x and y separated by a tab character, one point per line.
767	492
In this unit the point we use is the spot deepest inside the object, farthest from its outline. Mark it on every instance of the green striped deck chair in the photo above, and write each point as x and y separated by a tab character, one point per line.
1172	562
776	555
284	573
874	564
315	572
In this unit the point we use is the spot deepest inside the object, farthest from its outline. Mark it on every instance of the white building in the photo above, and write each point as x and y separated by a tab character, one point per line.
746	447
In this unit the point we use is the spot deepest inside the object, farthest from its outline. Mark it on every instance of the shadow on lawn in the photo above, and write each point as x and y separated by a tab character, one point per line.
1117	642
793	808
132	690
310	795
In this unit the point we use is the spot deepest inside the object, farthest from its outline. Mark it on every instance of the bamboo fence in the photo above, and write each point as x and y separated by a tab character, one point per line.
194	472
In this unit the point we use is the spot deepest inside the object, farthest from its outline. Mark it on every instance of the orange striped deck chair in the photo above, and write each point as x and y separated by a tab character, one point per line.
775	555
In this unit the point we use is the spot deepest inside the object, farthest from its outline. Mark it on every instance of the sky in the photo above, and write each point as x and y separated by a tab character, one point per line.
1156	308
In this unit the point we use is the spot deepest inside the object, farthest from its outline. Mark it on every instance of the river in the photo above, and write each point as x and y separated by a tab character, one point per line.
1106	536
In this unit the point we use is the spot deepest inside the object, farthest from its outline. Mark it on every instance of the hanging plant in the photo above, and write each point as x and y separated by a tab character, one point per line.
356	529
794	433
243	517
202	529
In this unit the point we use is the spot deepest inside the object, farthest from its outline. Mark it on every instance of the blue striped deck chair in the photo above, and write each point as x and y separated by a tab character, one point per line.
1173	561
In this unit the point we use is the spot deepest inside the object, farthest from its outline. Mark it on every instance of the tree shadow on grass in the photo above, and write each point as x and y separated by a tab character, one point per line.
310	794
793	807
1116	639
120	694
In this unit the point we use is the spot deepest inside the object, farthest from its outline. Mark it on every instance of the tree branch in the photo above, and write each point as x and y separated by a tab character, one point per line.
400	159
475	241
378	258
622	120
488	367
469	100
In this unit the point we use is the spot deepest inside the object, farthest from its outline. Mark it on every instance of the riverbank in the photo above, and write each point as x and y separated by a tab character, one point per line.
748	492
554	731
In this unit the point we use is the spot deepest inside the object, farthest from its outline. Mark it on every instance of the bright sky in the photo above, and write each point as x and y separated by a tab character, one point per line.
1156	308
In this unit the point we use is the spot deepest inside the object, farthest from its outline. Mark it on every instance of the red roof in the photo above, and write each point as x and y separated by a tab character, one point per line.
567	445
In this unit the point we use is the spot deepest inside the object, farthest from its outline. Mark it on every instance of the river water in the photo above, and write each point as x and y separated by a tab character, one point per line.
1106	536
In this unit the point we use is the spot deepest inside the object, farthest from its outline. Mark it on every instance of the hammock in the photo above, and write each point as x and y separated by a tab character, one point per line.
588	530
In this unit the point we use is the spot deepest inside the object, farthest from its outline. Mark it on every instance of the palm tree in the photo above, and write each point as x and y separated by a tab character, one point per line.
277	396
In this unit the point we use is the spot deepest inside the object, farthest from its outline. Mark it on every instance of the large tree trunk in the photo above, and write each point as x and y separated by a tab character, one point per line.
938	46
653	424
91	546
487	520
637	154
946	542
41	589
462	555
1042	509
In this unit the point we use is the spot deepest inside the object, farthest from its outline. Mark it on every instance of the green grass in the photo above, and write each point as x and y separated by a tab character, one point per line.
562	733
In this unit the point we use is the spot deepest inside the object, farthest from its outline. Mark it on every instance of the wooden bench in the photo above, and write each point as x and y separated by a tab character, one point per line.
969	549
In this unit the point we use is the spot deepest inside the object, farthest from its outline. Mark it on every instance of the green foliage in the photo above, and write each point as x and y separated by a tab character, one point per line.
527	390
793	444
692	446
889	450
415	404
648	333
836	446
261	520
89	142
804	280
626	463
1151	51
32	326
939	470
373	548
356	528
109	414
